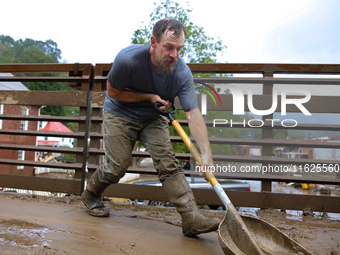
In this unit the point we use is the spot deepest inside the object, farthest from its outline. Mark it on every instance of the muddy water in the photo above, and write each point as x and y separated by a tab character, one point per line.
22	234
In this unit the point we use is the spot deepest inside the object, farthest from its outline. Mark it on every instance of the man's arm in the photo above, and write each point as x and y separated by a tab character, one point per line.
199	131
131	96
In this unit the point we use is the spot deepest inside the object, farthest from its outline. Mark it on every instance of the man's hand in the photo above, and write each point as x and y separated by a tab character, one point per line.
207	164
157	99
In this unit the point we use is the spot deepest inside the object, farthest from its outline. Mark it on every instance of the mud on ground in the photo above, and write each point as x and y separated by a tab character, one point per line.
320	235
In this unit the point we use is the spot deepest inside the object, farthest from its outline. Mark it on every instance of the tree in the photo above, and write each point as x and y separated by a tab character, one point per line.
31	51
35	51
35	56
12	51
198	47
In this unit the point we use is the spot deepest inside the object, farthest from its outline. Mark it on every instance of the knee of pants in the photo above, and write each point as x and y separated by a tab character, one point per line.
114	170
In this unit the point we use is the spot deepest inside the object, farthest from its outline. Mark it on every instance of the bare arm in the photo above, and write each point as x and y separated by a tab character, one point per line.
199	131
132	96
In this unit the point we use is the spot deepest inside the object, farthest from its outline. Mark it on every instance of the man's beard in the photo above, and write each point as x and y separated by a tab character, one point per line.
167	69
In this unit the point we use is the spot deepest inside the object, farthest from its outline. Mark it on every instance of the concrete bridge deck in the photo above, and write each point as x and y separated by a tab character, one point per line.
47	225
39	225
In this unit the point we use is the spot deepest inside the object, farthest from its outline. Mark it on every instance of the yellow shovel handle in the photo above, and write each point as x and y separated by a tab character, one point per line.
210	176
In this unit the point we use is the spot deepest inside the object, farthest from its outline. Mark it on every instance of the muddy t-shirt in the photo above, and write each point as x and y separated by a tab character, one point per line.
132	69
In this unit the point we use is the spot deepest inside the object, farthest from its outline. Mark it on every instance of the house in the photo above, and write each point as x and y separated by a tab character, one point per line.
251	150
310	153
48	141
296	152
17	125
54	141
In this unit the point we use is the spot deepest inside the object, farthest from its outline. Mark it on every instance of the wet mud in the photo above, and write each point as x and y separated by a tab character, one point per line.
47	225
318	233
22	233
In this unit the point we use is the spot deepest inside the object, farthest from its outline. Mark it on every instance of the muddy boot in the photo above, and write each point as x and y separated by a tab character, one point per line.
91	197
180	194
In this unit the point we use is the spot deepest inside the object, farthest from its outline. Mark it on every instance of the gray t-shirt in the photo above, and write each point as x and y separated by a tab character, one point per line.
132	69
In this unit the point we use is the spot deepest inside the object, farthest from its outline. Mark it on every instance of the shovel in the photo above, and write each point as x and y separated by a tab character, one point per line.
239	234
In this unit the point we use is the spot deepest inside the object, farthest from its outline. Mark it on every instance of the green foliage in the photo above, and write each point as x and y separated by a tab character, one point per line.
32	51
35	56
280	134
28	51
179	147
198	47
225	132
67	157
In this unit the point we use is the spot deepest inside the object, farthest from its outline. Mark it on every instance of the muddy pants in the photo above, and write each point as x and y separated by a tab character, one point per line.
120	135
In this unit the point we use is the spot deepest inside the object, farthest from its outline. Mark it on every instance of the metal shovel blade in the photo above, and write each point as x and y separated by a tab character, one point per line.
268	238
234	236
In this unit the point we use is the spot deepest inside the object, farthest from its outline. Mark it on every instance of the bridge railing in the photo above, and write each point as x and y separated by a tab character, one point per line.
89	83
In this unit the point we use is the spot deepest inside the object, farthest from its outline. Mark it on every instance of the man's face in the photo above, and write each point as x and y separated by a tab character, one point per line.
168	50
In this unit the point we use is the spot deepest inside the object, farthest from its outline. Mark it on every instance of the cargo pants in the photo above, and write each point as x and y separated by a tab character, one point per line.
120	135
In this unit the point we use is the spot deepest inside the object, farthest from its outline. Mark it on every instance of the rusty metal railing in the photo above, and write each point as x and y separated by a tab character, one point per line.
90	84
76	75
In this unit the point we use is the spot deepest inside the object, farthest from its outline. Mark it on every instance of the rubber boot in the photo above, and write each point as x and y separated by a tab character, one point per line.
91	197
180	194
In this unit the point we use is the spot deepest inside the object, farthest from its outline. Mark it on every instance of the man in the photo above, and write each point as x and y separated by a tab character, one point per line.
142	75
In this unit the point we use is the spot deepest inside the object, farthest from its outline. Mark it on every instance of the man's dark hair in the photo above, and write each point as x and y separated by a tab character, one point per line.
167	24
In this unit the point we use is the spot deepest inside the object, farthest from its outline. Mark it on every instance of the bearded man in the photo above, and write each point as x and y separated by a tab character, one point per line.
142	75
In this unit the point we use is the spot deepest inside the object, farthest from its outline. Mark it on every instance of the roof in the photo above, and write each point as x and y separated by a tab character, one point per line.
47	143
11	85
56	126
